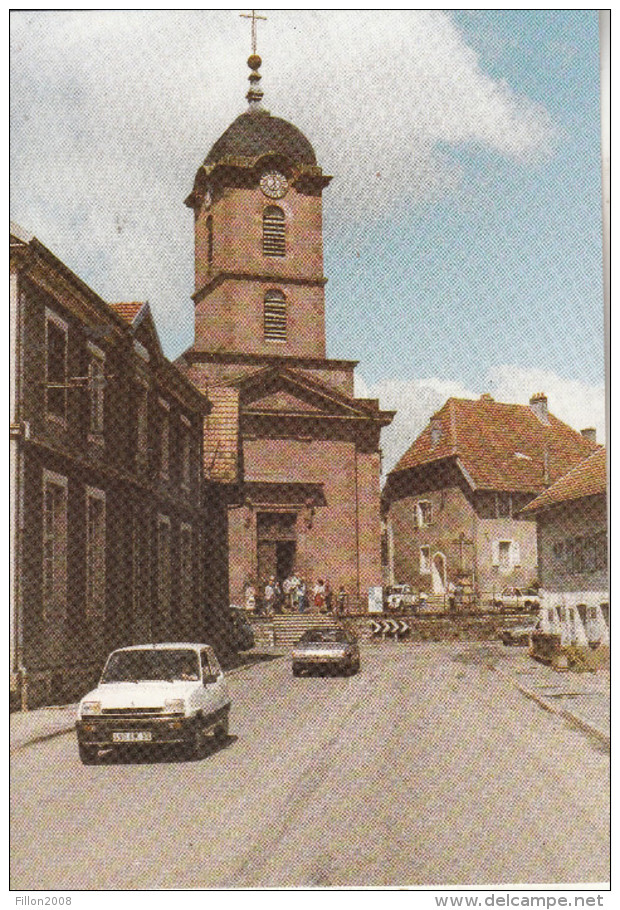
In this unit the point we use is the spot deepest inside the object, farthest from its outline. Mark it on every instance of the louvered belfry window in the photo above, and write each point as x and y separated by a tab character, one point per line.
273	232
275	316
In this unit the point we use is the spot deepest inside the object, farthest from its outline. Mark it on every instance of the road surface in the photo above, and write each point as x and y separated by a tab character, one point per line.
427	768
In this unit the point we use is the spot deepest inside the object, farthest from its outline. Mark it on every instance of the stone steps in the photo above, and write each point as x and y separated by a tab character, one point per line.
283	630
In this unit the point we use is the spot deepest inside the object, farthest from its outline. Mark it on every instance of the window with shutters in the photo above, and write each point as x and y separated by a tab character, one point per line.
274	243
95	552
186	452
56	332
504	554
54	545
504	505
164	439
164	577
142	421
423	513
96	382
275	316
186	590
425	560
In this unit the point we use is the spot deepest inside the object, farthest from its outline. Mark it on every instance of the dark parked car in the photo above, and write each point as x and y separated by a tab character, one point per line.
518	635
326	649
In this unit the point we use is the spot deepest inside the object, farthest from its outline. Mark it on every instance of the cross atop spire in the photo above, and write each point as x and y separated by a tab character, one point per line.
255	93
254	19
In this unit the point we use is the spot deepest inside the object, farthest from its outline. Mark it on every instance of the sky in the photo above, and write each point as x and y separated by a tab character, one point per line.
462	227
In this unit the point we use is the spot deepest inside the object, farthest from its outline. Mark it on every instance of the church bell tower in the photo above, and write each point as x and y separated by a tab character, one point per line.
257	203
286	442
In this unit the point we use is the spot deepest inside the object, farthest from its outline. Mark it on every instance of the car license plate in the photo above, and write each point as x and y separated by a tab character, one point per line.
132	736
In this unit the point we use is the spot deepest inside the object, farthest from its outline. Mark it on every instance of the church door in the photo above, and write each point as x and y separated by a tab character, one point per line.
285	558
276	545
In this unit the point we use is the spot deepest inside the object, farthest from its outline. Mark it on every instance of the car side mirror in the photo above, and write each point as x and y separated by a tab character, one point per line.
209	678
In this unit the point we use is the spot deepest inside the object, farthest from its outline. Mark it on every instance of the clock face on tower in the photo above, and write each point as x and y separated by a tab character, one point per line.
274	184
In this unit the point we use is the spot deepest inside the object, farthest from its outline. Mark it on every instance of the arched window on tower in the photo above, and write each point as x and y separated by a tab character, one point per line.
273	232
275	316
210	240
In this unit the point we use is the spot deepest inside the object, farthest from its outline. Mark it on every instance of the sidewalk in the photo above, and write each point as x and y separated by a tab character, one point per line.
28	727
583	698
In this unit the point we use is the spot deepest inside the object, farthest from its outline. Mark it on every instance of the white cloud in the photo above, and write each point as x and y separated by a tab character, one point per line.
416	400
112	113
576	403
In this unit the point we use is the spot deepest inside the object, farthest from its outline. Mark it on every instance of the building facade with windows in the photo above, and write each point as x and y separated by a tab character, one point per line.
453	505
571	522
111	519
298	453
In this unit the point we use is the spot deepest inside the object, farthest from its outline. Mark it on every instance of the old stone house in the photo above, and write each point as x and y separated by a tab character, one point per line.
571	522
453	505
113	529
298	453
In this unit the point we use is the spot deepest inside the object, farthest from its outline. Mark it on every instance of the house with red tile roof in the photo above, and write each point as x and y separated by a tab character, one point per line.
571	522
453	505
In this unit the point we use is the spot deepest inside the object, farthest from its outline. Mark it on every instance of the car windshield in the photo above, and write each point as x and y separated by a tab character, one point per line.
317	635
131	666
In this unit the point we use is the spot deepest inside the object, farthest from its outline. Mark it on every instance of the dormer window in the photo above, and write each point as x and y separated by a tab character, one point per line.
273	232
275	316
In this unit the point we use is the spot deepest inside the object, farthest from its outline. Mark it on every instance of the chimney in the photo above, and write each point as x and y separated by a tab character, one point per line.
589	433
435	430
538	404
486	396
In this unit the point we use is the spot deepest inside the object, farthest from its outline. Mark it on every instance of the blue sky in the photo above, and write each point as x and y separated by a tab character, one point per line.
507	267
462	228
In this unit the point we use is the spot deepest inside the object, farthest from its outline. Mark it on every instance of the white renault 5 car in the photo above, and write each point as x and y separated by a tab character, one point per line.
160	694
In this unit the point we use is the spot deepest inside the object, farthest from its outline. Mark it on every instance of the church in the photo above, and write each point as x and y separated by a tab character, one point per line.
295	452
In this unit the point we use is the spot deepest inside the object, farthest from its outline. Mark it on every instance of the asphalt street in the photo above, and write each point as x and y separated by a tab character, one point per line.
426	768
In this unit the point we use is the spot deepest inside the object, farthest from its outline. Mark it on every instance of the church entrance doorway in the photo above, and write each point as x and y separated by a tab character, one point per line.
276	545
285	558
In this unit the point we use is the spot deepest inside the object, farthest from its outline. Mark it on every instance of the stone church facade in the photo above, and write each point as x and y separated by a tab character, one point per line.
297	453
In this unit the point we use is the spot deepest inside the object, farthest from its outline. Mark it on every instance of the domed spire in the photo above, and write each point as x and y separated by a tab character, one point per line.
255	92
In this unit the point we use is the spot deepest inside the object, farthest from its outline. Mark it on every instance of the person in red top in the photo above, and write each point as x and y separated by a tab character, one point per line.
319	595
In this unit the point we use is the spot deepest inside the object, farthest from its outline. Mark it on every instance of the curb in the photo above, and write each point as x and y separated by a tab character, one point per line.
41	738
585	725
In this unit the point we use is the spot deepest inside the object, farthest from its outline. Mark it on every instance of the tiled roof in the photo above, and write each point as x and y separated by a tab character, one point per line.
127	311
221	435
588	479
501	446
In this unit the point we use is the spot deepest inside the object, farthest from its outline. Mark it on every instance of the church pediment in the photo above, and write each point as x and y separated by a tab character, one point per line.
282	400
283	391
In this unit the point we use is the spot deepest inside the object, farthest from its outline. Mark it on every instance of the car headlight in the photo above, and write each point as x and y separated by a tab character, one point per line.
90	707
174	706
